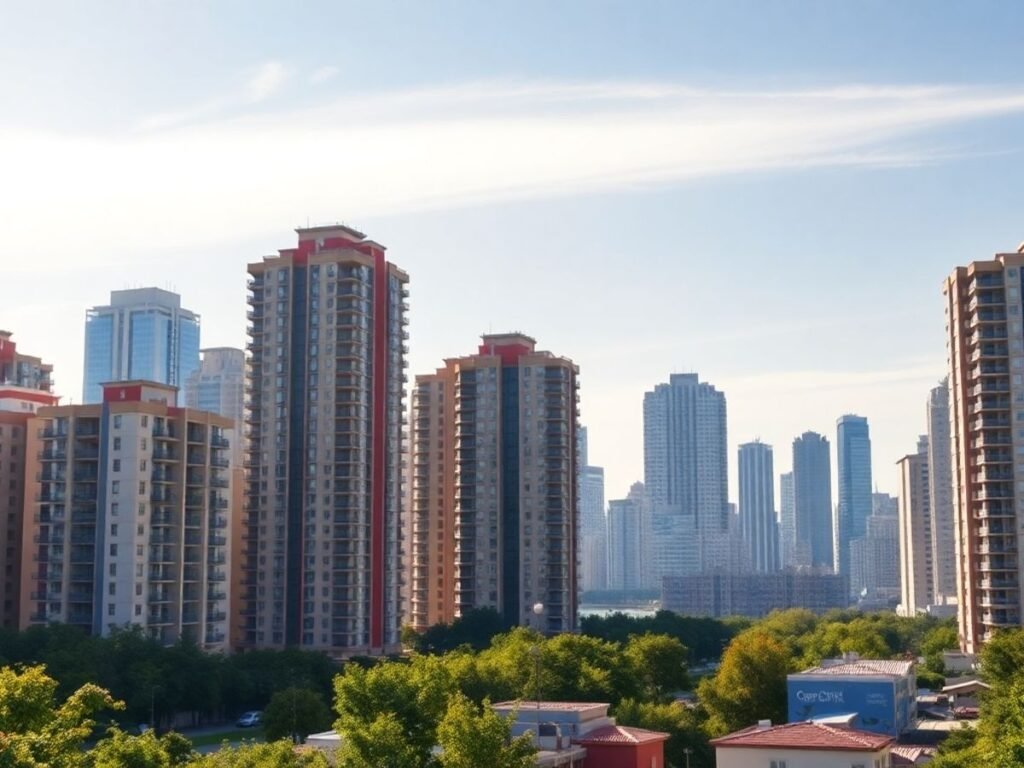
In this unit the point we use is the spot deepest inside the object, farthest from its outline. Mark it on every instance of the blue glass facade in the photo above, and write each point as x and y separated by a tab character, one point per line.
854	459
143	334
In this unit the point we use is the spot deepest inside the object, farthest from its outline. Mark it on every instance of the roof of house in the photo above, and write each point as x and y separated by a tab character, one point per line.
861	668
527	705
909	754
805	735
967	686
620	734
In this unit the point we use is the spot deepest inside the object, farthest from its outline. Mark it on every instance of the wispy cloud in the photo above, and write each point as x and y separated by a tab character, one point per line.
323	74
446	146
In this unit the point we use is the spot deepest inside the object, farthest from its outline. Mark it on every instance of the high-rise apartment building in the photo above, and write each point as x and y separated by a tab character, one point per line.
787	522
143	334
915	531
218	386
24	388
685	474
626	541
940	490
853	449
593	530
812	499
875	560
495	486
985	347
325	412
757	506
129	521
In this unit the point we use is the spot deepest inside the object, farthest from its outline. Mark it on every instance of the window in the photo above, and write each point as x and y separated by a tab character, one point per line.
778	764
115	487
117	443
113	509
117	421
117	465
145	420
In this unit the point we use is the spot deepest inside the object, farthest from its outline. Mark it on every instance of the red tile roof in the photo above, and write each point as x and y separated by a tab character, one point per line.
805	735
620	734
910	754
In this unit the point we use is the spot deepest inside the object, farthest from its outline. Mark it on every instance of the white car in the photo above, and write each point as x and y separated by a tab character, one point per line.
250	719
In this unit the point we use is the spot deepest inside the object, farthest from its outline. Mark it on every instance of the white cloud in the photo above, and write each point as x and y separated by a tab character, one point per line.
445	146
266	81
323	74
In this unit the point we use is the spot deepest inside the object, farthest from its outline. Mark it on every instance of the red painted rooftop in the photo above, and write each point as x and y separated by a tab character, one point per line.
804	735
620	734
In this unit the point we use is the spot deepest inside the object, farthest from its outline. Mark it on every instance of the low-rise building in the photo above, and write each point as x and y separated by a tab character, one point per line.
882	694
752	594
802	745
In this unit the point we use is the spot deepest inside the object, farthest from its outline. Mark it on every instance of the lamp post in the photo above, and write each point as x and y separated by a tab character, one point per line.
538	610
687	751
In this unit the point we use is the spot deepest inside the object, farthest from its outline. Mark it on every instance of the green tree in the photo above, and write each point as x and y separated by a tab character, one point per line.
297	711
36	730
683	725
749	685
402	703
179	749
938	639
120	750
659	661
471	737
381	743
278	754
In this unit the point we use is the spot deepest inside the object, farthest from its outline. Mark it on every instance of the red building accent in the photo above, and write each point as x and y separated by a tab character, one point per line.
378	549
616	746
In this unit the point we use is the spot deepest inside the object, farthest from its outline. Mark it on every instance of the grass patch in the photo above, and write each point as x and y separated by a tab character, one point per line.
229	734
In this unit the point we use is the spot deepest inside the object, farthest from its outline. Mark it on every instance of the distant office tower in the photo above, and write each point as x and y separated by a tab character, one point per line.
884	504
915	531
685	473
985	348
495	486
753	594
593	530
757	506
325	413
218	386
144	333
940	490
787	522
875	559
853	448
812	500
626	540
131	515
18	370
24	388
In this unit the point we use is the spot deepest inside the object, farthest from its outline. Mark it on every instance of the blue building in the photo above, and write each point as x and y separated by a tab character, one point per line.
142	334
853	449
881	695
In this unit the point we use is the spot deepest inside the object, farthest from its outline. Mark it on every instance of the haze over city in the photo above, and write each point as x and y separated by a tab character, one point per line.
766	194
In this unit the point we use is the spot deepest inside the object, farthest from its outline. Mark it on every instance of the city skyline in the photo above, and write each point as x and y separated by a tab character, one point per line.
604	146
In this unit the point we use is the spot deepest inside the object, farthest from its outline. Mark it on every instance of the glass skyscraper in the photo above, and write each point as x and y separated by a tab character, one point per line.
144	333
853	449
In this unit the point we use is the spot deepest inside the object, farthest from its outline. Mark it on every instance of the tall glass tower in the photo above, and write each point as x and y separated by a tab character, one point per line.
853	449
144	333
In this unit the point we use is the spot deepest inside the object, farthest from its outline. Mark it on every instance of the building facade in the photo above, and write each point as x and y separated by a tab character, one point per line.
753	594
21	370
322	551
940	491
495	496
787	522
758	525
985	345
143	334
853	457
685	473
626	541
218	386
593	530
875	562
128	524
812	500
802	744
917	576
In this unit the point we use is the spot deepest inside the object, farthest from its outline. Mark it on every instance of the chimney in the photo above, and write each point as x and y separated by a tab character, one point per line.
764	724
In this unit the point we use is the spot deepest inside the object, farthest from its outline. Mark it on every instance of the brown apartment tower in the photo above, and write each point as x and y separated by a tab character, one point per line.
322	542
494	487
985	346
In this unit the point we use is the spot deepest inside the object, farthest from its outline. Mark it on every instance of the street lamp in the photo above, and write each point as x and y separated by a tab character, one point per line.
687	751
538	610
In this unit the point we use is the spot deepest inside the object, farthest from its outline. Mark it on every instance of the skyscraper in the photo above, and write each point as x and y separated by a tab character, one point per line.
495	486
915	531
875	558
685	472
626	551
325	412
218	386
940	491
593	530
787	522
130	518
985	345
812	499
757	506
24	388
144	333
853	448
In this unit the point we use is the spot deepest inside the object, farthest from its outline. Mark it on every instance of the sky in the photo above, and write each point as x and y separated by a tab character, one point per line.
768	193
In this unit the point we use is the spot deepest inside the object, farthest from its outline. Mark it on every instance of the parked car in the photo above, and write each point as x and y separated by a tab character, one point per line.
249	719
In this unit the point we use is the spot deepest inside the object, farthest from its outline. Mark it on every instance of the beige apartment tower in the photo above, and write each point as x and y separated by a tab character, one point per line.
128	522
494	487
915	532
985	347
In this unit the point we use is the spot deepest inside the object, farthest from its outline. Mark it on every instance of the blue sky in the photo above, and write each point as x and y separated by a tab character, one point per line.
767	193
